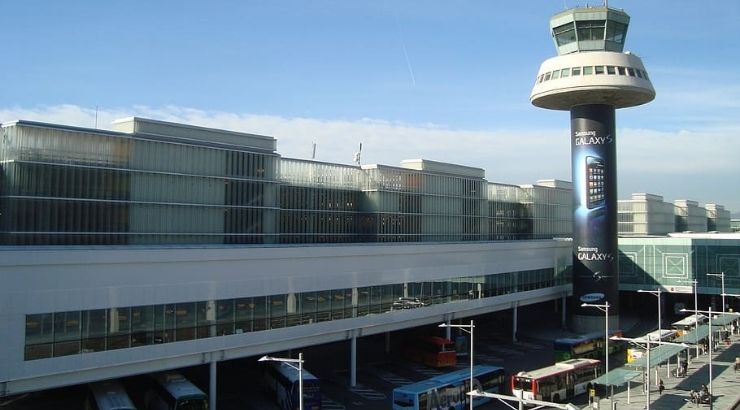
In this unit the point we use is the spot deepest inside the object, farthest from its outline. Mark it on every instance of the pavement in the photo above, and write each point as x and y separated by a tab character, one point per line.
725	384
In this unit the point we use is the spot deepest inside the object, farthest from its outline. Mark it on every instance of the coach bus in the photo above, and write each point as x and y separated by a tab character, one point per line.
449	391
589	346
108	395
433	351
172	391
282	382
559	382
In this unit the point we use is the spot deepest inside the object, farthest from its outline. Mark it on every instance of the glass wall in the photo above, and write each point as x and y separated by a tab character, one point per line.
74	186
66	333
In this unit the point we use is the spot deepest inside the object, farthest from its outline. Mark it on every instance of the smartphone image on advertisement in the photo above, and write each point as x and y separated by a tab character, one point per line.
595	182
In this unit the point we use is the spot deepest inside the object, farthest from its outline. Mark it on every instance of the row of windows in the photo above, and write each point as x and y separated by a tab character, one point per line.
592	70
86	148
75	332
590	30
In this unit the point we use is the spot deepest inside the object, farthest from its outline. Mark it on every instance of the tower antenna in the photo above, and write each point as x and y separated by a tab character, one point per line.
358	156
313	152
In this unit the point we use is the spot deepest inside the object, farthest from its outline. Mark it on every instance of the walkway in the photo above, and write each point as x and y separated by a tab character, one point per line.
725	384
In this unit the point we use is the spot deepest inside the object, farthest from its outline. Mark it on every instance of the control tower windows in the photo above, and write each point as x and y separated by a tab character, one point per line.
630	72
556	74
565	72
615	32
576	70
599	69
610	69
588	70
590	29
564	34
621	70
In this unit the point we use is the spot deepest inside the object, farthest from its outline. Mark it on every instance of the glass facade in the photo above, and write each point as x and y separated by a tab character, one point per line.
86	187
73	186
67	333
670	262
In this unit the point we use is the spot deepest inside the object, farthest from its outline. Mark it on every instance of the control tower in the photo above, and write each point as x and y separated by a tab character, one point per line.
591	77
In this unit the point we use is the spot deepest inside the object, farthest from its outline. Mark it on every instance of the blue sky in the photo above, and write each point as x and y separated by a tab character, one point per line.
441	80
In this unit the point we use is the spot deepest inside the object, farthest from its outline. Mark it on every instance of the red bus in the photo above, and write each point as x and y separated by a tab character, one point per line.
433	351
561	381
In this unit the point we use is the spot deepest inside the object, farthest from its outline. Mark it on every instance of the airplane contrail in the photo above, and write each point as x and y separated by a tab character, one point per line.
405	53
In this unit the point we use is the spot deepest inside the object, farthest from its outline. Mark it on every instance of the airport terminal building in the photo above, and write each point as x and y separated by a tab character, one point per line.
162	245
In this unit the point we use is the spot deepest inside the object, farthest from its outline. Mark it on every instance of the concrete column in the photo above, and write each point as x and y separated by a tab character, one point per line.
514	322
212	385
353	361
563	320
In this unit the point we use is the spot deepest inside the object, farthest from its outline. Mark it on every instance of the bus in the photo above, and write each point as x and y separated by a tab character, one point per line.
108	395
449	391
172	391
590	346
688	323
665	335
559	382
433	351
282	382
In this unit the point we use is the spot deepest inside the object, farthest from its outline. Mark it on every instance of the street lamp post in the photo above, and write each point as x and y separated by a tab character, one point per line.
694	284
657	293
290	362
721	276
604	308
467	329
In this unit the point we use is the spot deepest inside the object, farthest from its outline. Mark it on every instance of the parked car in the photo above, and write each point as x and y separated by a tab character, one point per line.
408	303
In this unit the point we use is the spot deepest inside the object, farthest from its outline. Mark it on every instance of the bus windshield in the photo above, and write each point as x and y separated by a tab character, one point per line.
523	383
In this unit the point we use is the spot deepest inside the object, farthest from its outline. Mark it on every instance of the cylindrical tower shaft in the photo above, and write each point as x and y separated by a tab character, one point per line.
594	172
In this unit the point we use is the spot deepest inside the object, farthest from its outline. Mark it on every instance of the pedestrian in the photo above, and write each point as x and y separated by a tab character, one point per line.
737	363
684	367
661	387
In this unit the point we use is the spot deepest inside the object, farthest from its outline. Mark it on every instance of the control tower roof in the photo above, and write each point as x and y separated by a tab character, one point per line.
589	29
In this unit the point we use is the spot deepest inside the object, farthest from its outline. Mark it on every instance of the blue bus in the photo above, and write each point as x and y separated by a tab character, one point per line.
281	380
449	391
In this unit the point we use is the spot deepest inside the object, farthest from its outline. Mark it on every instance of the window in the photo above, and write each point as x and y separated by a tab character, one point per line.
621	70
547	77
565	72
610	69
556	74
576	70
564	34
638	72
588	70
615	31
630	72
590	30
599	69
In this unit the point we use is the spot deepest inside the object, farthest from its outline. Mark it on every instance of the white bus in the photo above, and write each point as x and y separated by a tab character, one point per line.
172	391
108	395
559	382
